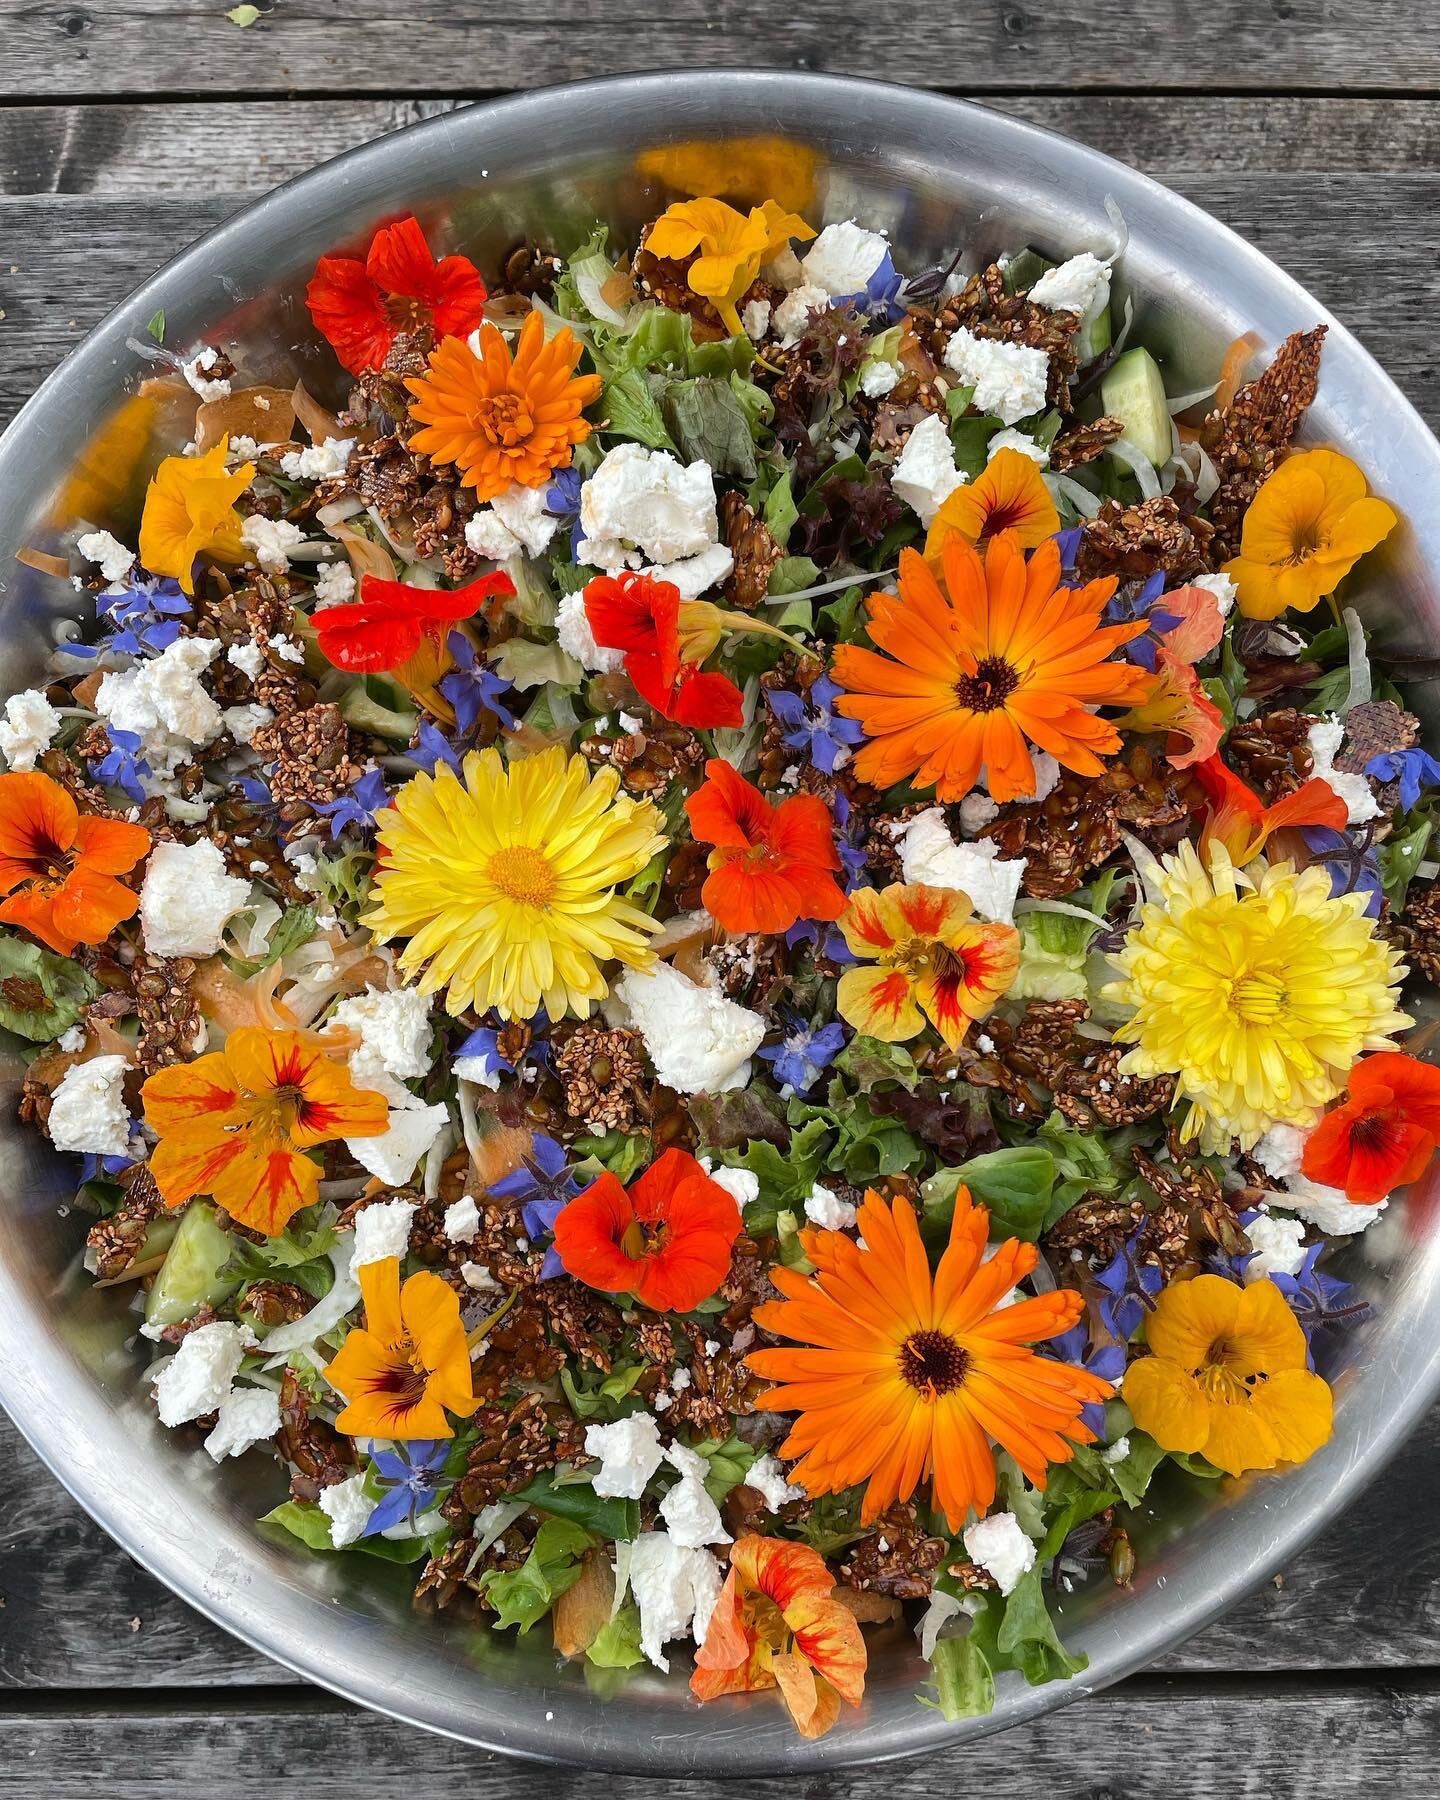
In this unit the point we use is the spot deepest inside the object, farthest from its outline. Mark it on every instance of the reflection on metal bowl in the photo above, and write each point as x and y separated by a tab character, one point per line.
936	175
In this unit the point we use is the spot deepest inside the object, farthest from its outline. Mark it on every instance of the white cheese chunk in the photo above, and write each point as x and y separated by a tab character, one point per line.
930	855
392	1156
629	1453
699	1041
1009	380
250	1416
88	1112
675	1590
199	1376
1001	1548
29	726
186	899
382	1230
925	476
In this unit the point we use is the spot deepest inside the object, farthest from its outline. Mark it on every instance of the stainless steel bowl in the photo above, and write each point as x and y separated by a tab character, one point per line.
936	174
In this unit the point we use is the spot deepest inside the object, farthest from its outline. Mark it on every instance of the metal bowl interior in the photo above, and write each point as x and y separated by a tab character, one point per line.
937	175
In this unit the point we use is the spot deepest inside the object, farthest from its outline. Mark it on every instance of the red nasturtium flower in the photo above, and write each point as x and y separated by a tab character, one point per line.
236	1124
771	865
1237	817
666	1239
361	306
777	1624
58	865
1179	706
1384	1132
641	615
383	628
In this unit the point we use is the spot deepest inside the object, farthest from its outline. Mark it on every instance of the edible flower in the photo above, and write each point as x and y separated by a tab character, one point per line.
1309	524
666	1239
144	618
413	1477
408	1366
905	1375
731	247
972	673
504	879
190	512
1227	1377
237	1124
809	722
803	1054
1320	1302
384	628
924	955
641	615
1178	705
498	418
473	687
544	1184
1414	769
1351	863
771	865
58	865
1128	1285
1255	990
1009	494
777	1624
1236	816
123	764
358	805
1383	1134
360	307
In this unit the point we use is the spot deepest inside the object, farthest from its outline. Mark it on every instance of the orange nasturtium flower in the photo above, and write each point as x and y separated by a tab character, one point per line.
1238	818
666	1239
409	1364
924	956
777	1624
1227	1378
1307	527
1178	705
907	1377
1009	494
503	418
236	1124
190	511
771	865
968	675
58	865
728	246
1383	1134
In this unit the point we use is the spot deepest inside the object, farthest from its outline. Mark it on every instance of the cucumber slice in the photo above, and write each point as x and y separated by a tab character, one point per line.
1133	392
1093	337
1024	269
380	707
193	1272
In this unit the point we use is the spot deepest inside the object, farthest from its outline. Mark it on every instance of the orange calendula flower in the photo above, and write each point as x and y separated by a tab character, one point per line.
777	1624
924	956
58	865
969	674
502	419
666	1238
771	865
731	246
1237	817
909	1377
408	1366
1009	494
1307	527
1384	1133
236	1124
1227	1378
1178	705
190	512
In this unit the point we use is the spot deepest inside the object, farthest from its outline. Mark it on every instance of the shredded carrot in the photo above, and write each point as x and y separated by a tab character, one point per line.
1232	367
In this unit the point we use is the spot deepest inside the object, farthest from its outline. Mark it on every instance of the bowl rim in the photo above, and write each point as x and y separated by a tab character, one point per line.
1373	1439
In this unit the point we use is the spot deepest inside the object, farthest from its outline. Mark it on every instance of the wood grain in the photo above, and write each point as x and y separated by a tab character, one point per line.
74	1610
1148	1737
248	148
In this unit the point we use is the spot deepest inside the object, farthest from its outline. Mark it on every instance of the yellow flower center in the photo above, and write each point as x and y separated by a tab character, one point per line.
523	875
1219	1380
1258	998
504	420
933	1363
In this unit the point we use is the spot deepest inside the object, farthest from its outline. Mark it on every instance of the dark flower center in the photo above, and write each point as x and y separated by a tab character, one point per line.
933	1363
989	687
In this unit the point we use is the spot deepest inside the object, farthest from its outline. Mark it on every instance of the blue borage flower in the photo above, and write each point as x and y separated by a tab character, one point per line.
1414	769
803	1054
1129	1285
544	1184
562	501
1102	1358
432	748
1143	604
144	617
880	293
412	1475
1320	1302
486	1062
359	806
1351	863
473	687
808	723
123	766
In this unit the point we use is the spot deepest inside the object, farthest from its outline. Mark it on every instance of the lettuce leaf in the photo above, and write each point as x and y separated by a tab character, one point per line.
523	1596
41	994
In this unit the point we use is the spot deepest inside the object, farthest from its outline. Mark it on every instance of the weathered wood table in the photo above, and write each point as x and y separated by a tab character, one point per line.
126	129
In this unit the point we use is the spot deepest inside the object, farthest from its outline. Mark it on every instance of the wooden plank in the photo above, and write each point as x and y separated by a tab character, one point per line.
1325	232
77	49
1326	1740
177	149
1366	1596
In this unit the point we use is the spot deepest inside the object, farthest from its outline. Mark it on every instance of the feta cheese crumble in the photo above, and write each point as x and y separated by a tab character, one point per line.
929	854
1222	586
248	658
272	540
29	726
1001	1548
828	1210
186	899
843	258
195	372
382	1230
348	1508
1278	1245
516	524
675	1590
318	462
1009	380
629	1452
1081	285
334	585
250	1416
766	1475
792	315
573	633
699	1041
104	548
88	1112
645	505
755	317
199	1376
691	1516
393	1155
1325	737
1017	440
394	1030
1330	1209
878	378
925	476
740	1184
462	1220
164	694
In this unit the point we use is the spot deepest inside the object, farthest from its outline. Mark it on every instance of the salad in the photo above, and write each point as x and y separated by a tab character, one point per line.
729	948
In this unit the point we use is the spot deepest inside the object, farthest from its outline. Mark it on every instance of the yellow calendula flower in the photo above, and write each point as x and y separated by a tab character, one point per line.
505	882
190	512
1256	991
1227	1378
728	246
1306	528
